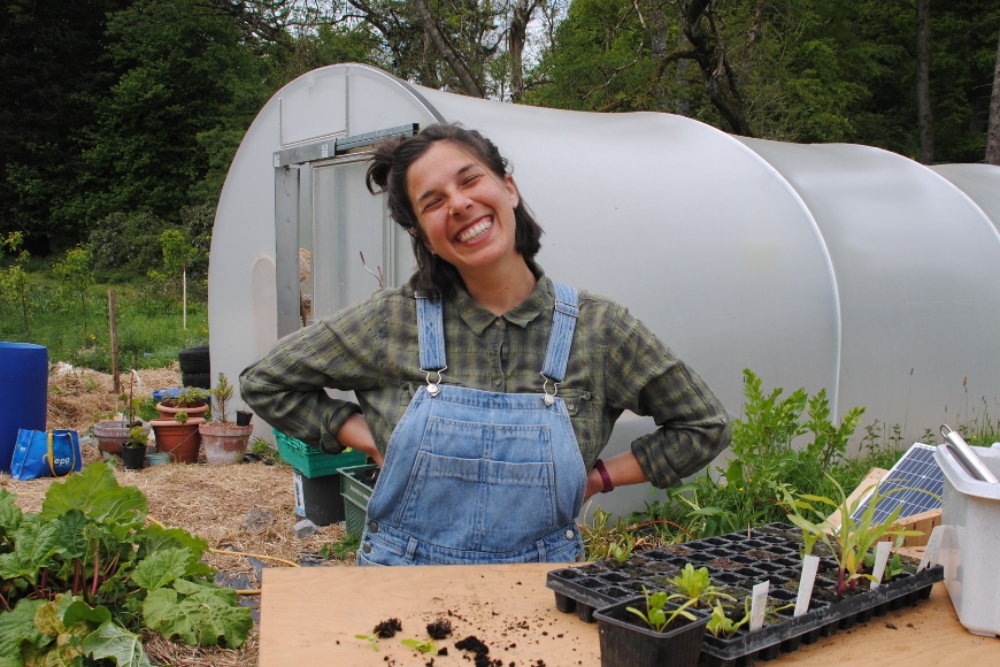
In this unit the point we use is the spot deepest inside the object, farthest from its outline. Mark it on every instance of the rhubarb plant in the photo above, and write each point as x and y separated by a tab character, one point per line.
82	577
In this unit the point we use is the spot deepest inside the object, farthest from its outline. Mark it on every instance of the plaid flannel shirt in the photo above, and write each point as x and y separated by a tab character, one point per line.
616	364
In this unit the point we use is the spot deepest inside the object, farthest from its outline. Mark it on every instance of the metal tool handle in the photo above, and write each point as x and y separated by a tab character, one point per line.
968	456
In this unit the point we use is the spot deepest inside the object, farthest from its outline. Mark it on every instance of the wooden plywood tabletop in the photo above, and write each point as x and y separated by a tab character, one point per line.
310	616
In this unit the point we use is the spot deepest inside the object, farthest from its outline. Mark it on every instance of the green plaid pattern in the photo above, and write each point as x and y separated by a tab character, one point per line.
616	364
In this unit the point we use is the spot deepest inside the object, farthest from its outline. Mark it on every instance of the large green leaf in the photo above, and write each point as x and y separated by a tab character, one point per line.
117	643
16	627
34	546
201	614
153	538
71	533
96	493
10	514
161	568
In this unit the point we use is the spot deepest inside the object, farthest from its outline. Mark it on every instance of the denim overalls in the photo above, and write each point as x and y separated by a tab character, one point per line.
473	476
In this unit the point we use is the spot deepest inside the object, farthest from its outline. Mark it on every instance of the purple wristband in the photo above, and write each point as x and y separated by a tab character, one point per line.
605	477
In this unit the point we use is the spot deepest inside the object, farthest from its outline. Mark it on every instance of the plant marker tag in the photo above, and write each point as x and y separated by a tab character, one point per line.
810	565
933	548
881	557
758	605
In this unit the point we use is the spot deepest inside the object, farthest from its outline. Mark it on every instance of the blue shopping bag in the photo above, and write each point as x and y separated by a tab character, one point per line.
44	454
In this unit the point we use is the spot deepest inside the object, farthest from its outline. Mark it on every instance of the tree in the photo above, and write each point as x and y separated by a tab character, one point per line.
177	254
54	78
924	114
993	139
14	279
76	277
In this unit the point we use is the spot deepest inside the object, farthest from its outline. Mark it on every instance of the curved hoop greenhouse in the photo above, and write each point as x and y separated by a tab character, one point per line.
831	266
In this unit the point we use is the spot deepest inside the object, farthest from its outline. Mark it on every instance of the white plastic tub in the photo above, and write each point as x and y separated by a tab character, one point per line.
971	520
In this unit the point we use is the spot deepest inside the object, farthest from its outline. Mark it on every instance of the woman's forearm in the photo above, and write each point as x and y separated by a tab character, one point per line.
356	434
623	469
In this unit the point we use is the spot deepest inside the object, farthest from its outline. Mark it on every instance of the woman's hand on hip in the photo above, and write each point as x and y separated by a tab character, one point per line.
356	434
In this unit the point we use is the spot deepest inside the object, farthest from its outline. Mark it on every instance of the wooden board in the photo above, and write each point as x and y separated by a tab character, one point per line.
309	617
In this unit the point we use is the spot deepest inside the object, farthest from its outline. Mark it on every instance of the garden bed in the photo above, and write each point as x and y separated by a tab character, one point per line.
736	562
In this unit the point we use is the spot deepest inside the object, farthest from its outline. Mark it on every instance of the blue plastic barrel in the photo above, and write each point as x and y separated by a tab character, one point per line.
24	375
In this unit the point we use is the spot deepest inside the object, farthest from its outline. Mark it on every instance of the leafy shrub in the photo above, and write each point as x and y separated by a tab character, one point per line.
84	575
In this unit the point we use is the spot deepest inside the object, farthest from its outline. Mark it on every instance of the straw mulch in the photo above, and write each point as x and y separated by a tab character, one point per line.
209	501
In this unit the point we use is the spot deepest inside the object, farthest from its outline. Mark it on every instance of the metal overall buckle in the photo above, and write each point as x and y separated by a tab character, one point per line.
432	386
549	399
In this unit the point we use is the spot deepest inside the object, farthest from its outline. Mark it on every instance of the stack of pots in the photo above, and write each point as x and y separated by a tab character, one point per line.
181	441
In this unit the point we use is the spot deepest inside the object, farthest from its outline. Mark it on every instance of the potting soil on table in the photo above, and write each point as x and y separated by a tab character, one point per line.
736	562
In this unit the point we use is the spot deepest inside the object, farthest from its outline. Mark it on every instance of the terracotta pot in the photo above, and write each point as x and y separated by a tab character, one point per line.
224	443
170	412
181	441
134	458
111	435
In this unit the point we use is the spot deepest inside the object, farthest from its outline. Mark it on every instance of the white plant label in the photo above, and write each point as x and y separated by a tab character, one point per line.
881	558
933	549
810	565
758	605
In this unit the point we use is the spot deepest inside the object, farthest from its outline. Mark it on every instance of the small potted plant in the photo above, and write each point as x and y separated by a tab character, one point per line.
192	400
112	434
134	448
650	631
225	441
177	429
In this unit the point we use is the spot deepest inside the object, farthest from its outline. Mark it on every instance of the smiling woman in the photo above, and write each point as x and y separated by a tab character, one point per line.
486	391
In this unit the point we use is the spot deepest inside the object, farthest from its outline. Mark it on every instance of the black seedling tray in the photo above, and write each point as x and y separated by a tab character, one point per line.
737	562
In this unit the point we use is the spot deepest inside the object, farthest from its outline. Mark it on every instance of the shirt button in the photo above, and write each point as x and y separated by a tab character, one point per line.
373	526
498	382
569	534
499	323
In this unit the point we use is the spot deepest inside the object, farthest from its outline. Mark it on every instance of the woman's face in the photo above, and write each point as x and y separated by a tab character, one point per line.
466	211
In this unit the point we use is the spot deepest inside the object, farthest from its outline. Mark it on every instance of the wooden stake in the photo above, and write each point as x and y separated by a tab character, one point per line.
113	324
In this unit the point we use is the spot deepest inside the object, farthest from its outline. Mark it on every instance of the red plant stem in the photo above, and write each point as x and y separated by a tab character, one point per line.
93	585
671	523
4	601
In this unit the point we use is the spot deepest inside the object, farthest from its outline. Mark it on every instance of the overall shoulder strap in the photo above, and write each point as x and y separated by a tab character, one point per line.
561	337
430	332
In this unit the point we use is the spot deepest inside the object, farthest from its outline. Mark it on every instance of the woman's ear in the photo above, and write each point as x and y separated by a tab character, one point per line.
512	193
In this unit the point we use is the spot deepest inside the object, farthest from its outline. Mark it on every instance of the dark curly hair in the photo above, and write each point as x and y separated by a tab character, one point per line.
390	163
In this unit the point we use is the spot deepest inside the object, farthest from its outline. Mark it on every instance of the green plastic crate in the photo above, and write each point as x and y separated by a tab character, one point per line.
312	462
356	496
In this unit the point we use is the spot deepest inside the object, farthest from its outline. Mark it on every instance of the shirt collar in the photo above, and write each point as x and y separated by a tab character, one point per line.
477	318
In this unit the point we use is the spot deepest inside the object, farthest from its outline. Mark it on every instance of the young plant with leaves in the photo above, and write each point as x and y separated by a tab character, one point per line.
656	615
852	541
722	625
696	586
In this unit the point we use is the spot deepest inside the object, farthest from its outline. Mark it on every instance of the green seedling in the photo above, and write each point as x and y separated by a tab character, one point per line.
655	616
854	539
721	625
371	639
425	646
697	586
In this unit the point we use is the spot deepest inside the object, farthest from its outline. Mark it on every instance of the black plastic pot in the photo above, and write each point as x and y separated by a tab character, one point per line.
134	458
627	642
243	418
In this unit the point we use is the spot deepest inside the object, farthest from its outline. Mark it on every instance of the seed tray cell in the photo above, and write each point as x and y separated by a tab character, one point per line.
776	546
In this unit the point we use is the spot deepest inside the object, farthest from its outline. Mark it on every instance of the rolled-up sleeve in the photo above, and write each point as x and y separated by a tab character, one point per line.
646	377
287	386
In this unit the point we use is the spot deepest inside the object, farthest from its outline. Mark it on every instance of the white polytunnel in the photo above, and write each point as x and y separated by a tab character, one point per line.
832	266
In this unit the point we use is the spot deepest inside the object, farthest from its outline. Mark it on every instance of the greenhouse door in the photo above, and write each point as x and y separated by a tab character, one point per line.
336	244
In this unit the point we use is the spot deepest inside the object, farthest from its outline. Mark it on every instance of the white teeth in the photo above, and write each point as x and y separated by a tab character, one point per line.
475	231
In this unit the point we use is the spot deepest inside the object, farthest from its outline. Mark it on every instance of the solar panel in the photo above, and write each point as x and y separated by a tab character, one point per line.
916	472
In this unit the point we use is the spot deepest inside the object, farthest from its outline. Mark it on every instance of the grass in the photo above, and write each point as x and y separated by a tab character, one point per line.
149	323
